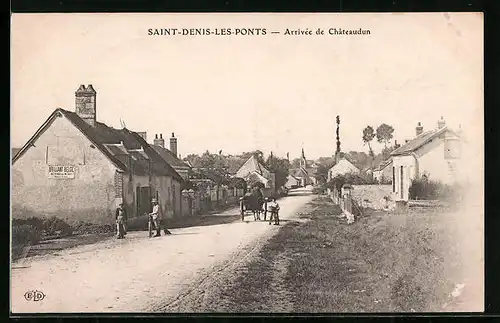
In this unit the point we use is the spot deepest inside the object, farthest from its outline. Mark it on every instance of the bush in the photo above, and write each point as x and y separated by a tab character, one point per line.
25	234
425	189
46	227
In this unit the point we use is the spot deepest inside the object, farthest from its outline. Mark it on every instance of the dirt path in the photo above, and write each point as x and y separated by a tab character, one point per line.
138	274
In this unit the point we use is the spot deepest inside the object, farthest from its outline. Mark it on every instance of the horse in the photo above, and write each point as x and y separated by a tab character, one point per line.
252	202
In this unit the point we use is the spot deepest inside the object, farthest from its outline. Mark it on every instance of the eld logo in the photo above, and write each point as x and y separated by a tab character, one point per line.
34	295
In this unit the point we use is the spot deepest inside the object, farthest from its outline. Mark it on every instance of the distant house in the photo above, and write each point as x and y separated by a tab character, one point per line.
342	167
383	172
304	173
433	153
253	171
171	156
292	182
79	169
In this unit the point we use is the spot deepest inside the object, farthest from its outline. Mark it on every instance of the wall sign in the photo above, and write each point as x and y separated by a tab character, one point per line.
61	172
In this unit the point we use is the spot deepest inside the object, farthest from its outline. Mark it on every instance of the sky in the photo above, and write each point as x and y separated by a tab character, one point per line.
275	93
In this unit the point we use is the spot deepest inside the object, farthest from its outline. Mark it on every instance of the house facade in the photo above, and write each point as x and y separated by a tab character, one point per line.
78	169
433	153
342	167
292	182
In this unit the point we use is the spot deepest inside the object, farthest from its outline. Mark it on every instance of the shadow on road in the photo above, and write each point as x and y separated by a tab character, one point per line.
204	220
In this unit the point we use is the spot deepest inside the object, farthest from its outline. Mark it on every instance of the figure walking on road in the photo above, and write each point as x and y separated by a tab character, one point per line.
121	220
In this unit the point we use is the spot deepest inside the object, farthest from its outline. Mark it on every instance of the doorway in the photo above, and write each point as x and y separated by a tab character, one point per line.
143	200
401	182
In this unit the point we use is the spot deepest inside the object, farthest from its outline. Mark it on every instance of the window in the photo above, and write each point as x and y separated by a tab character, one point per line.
394	179
452	149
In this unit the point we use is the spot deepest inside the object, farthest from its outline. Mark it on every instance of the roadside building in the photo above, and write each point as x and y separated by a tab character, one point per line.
434	153
79	169
342	167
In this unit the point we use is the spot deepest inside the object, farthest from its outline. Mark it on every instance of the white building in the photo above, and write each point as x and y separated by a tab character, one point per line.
433	153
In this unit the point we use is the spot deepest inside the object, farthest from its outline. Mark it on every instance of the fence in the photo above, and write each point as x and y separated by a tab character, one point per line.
203	202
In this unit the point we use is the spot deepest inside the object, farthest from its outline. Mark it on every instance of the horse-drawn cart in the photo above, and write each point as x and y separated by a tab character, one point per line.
253	204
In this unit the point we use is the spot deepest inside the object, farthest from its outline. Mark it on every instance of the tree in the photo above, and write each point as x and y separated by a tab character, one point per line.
321	174
280	167
384	134
368	135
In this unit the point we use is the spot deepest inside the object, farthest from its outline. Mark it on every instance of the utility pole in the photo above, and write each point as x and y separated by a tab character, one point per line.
337	152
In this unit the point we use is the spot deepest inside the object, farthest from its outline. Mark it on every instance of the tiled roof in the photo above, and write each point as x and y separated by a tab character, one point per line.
252	165
419	141
117	144
384	164
169	156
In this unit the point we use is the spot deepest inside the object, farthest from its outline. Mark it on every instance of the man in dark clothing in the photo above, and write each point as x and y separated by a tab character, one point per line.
121	220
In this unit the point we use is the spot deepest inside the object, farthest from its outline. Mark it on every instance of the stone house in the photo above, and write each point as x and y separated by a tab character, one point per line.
79	169
434	153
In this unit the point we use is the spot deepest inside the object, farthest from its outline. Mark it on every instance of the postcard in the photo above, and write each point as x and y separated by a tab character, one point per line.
247	163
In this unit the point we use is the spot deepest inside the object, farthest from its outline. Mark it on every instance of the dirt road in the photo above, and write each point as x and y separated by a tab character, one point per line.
139	274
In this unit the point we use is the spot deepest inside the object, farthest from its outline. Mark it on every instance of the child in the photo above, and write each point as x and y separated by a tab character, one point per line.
274	208
121	219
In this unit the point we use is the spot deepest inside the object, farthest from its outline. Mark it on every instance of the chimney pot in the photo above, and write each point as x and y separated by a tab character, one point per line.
161	136
419	129
173	135
159	141
441	123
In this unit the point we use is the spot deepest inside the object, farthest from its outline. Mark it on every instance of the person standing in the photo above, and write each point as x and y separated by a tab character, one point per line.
121	220
156	216
274	208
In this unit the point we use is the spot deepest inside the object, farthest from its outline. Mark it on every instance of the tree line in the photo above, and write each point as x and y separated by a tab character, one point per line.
227	164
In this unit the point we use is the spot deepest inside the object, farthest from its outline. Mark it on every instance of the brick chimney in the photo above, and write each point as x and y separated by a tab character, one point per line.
396	144
85	104
173	144
159	141
419	129
441	123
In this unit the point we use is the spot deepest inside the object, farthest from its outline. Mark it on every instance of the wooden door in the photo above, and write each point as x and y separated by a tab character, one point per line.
144	200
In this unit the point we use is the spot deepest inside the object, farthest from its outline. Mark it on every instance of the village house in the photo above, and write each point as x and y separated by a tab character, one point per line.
252	171
342	167
79	169
433	153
